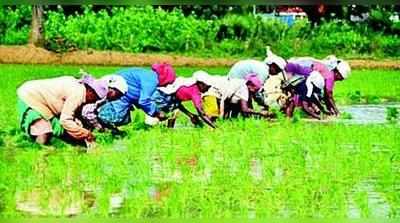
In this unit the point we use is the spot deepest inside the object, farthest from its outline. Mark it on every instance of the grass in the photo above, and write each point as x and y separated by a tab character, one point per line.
242	169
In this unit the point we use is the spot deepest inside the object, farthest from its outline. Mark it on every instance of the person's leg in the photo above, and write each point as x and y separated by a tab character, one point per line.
289	109
227	109
35	126
315	108
235	110
41	131
171	121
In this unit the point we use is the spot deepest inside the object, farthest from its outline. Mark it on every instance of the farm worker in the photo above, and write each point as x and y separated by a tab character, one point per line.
308	92
142	83
185	89
271	93
225	94
331	68
341	70
276	64
89	112
47	107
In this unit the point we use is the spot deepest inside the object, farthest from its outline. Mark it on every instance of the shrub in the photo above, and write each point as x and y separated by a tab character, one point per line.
133	29
390	45
15	24
340	38
379	19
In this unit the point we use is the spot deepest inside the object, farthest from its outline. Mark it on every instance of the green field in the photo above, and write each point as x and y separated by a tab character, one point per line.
245	168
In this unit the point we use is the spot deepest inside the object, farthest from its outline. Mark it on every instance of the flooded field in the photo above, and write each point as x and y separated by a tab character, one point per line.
368	114
245	168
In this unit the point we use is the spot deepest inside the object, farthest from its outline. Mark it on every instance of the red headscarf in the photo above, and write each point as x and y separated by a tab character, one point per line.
166	74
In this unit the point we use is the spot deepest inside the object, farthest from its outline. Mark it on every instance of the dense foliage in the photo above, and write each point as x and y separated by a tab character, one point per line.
146	29
15	25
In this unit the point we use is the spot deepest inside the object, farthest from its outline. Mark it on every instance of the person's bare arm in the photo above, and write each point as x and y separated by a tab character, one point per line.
248	111
193	117
205	118
67	118
330	103
222	108
307	108
185	111
289	109
244	107
319	105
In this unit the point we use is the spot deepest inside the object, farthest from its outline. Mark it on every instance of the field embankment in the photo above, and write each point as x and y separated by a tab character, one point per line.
32	55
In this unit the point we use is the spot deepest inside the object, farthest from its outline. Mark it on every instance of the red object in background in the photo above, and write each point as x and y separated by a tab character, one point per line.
294	9
321	9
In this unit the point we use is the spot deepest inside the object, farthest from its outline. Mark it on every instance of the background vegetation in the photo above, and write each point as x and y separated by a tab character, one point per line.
173	30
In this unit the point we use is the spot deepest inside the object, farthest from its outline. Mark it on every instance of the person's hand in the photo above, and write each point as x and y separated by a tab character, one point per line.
332	111
327	112
267	114
90	138
90	147
161	116
195	120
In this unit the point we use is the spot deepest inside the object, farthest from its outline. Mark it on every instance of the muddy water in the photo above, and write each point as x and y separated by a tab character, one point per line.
367	114
377	205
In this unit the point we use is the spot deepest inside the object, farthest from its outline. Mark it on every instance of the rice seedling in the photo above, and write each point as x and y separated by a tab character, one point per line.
244	168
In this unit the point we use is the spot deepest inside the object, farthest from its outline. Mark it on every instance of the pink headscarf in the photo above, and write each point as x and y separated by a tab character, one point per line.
99	86
166	74
254	79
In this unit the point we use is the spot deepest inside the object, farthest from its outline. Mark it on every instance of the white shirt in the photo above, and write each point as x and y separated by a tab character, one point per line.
315	79
233	89
244	67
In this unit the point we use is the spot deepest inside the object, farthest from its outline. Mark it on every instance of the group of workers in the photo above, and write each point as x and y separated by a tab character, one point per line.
70	107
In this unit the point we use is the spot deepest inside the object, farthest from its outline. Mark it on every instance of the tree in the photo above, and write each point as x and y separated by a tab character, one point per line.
37	31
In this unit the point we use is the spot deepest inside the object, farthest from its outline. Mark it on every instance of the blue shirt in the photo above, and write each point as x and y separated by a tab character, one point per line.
142	83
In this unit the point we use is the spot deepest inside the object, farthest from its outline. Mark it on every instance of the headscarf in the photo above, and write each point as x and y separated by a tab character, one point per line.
201	76
344	69
166	74
204	77
331	62
117	82
178	83
100	87
273	58
253	79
